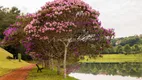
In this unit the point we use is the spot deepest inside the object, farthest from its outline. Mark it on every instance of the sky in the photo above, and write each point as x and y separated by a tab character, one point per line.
124	16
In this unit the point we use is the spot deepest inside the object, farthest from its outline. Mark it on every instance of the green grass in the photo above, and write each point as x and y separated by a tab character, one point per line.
46	74
115	58
9	65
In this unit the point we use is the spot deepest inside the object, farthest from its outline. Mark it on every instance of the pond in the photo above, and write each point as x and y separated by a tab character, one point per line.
108	71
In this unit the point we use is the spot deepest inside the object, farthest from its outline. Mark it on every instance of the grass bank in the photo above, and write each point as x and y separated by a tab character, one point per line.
8	65
46	74
115	58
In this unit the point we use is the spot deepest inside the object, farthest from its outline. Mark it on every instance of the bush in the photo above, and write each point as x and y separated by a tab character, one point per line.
9	57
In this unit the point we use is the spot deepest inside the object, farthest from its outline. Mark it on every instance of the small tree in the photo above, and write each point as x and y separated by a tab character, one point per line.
136	48
119	49
127	49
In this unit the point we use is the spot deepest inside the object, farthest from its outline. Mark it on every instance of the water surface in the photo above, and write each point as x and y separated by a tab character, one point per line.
108	71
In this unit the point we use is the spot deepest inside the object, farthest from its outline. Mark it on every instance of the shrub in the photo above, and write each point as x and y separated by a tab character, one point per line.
9	57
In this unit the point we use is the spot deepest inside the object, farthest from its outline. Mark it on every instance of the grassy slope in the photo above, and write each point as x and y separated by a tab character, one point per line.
115	58
8	65
46	75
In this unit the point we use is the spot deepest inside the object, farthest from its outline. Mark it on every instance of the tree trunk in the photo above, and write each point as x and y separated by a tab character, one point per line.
58	67
65	58
47	63
65	55
42	63
52	64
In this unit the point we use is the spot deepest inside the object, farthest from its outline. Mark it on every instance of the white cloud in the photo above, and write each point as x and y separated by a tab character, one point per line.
28	5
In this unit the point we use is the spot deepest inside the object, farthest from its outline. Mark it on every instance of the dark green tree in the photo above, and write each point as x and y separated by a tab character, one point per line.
137	48
7	17
119	49
127	49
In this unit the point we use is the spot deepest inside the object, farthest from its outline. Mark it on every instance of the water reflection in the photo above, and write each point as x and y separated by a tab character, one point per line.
121	70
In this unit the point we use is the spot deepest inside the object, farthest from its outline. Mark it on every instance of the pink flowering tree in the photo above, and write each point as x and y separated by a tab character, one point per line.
68	22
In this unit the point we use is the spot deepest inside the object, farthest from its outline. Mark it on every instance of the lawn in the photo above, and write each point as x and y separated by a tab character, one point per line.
115	58
9	65
46	74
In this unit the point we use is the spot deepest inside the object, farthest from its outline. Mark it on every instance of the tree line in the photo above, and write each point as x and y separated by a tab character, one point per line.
125	45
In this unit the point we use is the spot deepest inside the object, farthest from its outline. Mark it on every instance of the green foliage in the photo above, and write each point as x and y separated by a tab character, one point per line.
131	40
119	49
115	58
111	50
136	48
106	51
134	42
127	48
7	17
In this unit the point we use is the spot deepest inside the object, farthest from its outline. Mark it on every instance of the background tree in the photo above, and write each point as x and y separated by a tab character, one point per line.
7	17
127	49
137	48
119	49
14	35
106	51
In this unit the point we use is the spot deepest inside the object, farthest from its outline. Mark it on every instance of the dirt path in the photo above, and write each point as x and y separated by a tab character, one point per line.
19	74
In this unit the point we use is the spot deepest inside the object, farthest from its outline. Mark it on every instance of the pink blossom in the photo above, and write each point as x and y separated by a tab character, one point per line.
70	30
